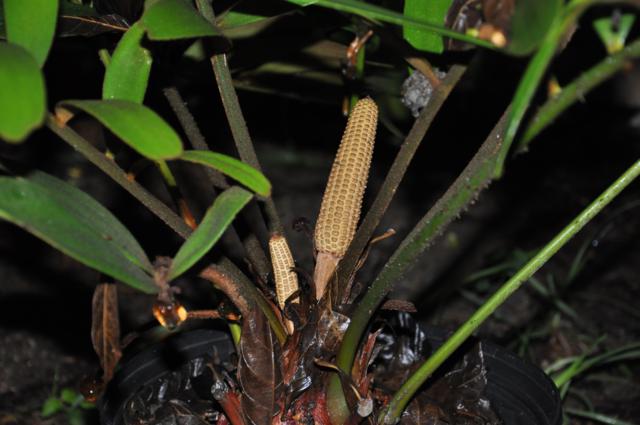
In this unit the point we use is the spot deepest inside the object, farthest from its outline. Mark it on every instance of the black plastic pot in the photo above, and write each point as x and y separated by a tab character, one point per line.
520	393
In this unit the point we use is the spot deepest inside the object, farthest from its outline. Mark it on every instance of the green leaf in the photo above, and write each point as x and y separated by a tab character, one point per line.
233	19
377	13
76	224
234	168
31	24
22	98
432	11
614	35
69	395
218	217
530	23
175	19
127	75
137	125
238	25
51	406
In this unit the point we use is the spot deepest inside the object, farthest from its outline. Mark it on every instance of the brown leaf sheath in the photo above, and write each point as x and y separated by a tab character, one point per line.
342	201
105	328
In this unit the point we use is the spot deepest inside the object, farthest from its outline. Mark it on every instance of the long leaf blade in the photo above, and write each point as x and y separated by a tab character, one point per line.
76	224
31	24
137	126
232	167
128	72
218	217
175	19
22	98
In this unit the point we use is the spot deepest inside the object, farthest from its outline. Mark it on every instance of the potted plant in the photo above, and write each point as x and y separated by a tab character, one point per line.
305	343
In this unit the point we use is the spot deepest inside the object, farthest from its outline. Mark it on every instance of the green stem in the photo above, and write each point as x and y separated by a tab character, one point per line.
533	76
413	384
371	11
395	175
110	168
577	90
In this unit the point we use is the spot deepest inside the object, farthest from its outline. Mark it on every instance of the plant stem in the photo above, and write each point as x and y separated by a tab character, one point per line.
240	131
235	118
577	90
476	176
230	280
411	386
395	175
110	168
533	76
191	129
251	243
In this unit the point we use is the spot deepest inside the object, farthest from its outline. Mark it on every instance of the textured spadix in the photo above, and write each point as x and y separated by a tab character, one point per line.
342	201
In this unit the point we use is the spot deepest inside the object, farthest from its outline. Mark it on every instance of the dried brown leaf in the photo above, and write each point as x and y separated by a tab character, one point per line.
259	370
105	328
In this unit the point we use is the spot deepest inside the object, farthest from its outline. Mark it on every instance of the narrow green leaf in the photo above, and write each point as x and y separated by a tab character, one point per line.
73	222
22	93
530	23
232	167
238	25
234	19
137	125
432	11
377	13
127	75
614	35
31	24
175	19
218	217
94	214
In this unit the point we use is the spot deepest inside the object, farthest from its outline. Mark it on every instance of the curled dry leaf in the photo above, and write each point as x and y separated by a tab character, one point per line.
105	328
259	370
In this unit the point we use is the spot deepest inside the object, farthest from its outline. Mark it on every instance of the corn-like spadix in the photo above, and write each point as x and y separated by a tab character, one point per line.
342	201
282	260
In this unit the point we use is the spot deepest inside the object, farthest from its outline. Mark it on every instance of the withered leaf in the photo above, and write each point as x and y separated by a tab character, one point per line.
105	328
259	370
89	26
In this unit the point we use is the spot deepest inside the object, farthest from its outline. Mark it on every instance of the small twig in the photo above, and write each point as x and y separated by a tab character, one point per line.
110	168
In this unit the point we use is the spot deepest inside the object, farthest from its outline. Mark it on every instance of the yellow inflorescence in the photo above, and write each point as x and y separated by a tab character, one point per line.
342	201
282	260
